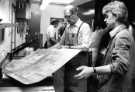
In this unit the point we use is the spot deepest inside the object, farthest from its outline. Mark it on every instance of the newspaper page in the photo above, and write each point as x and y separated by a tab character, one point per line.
39	64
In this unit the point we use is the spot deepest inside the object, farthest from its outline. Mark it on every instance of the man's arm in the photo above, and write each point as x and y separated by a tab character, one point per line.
120	60
59	44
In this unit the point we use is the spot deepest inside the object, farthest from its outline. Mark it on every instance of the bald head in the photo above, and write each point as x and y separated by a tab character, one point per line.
70	13
70	9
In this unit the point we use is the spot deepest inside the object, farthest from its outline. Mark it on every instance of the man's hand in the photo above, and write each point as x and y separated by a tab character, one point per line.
85	72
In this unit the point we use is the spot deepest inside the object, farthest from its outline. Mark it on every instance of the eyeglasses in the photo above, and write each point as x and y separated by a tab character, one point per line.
67	16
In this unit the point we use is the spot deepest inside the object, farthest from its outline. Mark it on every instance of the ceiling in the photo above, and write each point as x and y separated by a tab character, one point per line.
74	2
80	2
83	4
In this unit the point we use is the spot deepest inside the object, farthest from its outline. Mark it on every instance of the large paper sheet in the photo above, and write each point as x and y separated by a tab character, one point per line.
39	65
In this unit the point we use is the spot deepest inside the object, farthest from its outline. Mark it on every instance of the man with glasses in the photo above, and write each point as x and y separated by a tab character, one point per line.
76	36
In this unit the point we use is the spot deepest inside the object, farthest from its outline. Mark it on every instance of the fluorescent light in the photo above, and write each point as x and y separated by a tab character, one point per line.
89	12
62	1
45	3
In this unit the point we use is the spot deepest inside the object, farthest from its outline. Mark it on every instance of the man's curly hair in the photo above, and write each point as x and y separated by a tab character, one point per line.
118	9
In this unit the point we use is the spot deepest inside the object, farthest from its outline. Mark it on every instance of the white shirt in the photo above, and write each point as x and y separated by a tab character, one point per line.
51	32
83	35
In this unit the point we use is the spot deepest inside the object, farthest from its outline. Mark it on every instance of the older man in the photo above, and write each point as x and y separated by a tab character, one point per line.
76	36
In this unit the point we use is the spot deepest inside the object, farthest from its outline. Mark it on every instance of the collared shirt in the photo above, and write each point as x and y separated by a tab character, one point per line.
74	35
78	23
116	30
51	32
121	56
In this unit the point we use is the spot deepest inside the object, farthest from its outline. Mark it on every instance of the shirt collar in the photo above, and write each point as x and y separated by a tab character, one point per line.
116	30
78	23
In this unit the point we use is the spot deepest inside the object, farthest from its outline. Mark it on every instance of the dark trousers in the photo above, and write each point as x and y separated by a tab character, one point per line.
64	80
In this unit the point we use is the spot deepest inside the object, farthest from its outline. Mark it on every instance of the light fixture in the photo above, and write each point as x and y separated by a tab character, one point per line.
45	3
62	1
89	12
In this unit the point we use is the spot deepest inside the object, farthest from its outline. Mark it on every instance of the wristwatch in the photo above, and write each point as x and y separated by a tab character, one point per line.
94	70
